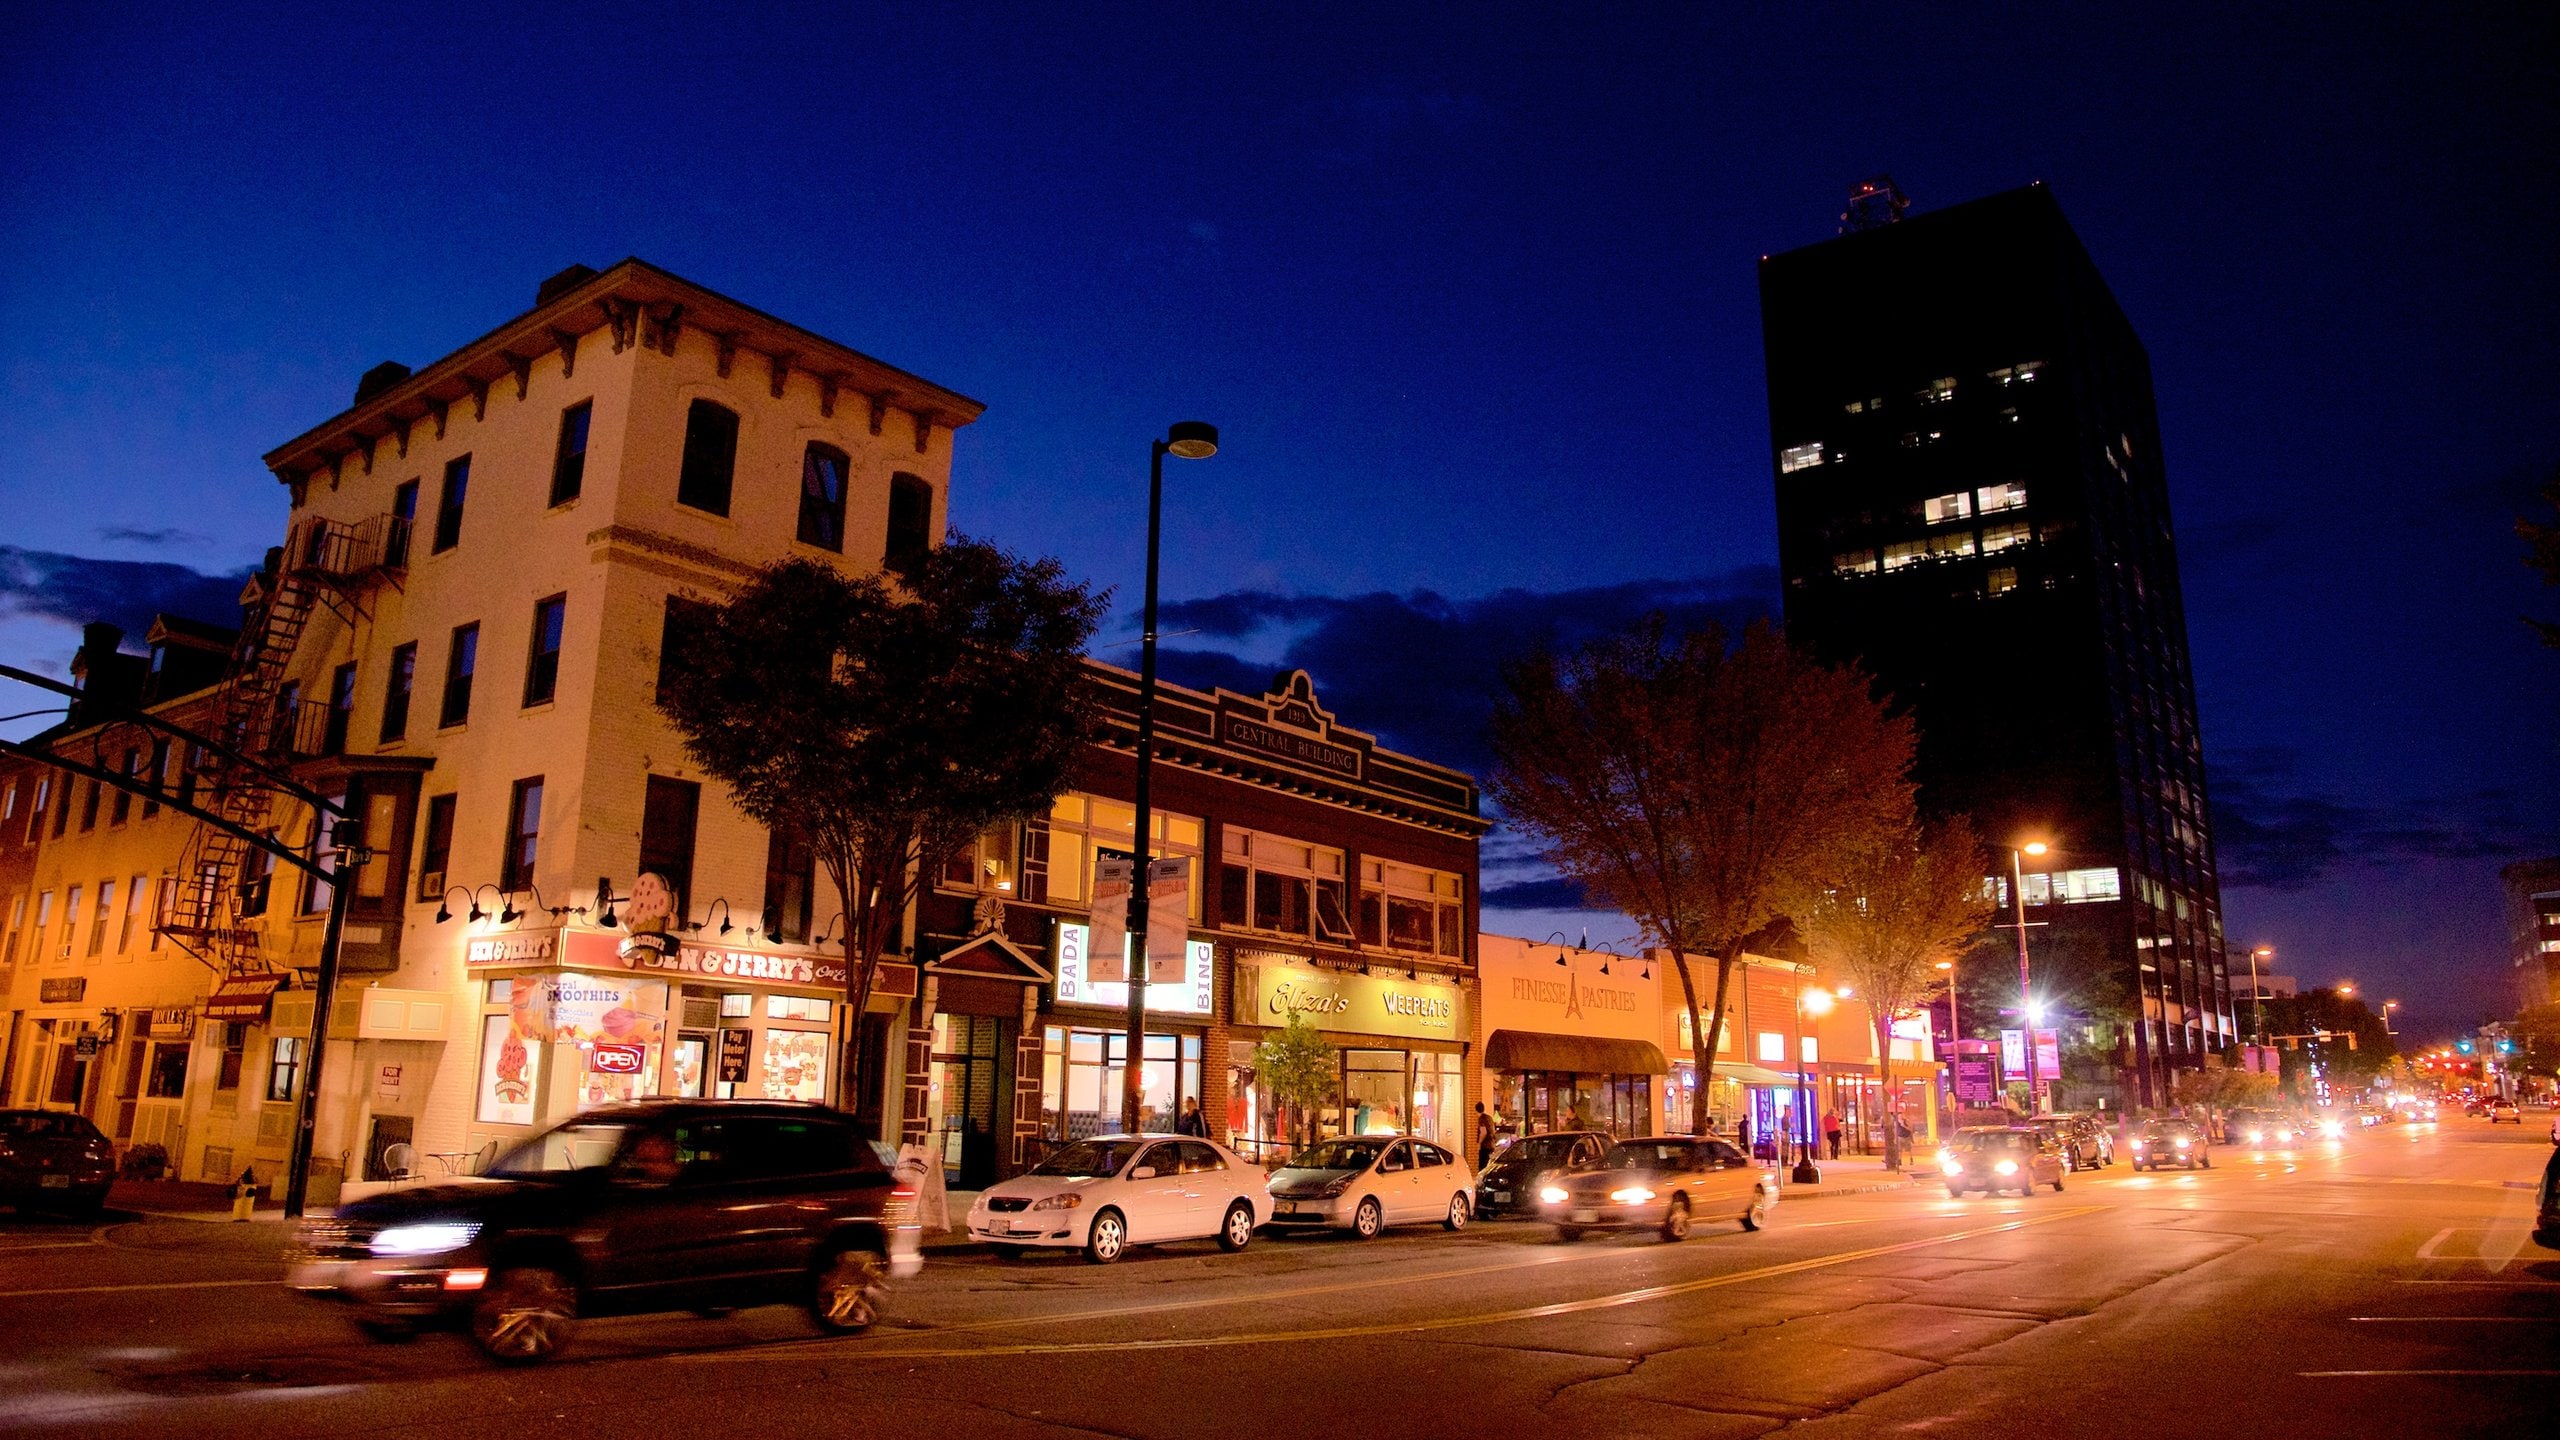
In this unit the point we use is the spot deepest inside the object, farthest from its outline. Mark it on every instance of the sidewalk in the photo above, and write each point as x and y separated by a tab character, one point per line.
1848	1175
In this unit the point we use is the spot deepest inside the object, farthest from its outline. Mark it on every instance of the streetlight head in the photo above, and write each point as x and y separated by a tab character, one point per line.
1817	1002
2346	987
2035	1011
1946	964
2264	952
2035	847
1192	439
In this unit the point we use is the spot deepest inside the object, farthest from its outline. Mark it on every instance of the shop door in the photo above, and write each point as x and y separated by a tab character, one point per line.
967	1055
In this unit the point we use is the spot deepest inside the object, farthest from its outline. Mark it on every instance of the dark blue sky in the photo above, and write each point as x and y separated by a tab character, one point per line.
1470	291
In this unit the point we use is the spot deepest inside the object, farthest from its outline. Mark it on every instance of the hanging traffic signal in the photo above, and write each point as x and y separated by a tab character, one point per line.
2463	1045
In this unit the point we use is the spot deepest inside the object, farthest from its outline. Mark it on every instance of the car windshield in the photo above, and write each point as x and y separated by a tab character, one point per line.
1649	1155
1338	1155
578	1145
1089	1159
1535	1150
1989	1140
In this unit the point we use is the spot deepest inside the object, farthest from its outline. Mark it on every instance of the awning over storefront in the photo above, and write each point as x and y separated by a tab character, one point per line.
1572	1054
242	997
1743	1074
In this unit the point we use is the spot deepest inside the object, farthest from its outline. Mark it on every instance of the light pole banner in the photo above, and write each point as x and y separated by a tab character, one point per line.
2048	1056
2013	1054
1107	956
1168	917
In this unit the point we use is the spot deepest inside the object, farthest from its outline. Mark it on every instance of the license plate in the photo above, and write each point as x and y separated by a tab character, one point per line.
316	1275
1501	1197
1284	1208
1585	1217
55	1182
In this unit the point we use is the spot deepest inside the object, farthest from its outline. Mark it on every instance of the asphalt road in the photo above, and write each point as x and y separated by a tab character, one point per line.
2384	1285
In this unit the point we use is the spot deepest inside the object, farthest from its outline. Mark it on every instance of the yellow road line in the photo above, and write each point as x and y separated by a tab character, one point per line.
1445	1322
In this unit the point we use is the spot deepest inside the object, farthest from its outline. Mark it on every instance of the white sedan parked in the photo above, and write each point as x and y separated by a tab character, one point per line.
1366	1183
1111	1192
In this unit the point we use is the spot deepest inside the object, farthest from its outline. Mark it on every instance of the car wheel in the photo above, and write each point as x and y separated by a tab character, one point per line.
1568	1233
527	1315
1955	1192
846	1288
2057	1183
1675	1222
1368	1220
1237	1231
1758	1215
1458	1214
2205	1160
1108	1237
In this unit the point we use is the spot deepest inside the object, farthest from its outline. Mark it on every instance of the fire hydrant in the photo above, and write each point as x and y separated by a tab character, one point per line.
244	1195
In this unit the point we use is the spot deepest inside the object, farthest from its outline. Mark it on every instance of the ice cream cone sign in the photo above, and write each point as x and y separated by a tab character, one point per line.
646	917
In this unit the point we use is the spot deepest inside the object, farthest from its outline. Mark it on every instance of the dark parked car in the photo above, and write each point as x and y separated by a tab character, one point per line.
2171	1141
54	1160
1521	1164
2546	1204
703	1205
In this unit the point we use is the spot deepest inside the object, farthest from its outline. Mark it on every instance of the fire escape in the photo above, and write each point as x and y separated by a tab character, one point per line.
214	912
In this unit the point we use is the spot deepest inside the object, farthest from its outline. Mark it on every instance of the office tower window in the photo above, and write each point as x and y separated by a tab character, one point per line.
569	460
1938	392
395	695
710	457
2001	537
1799	457
1992	499
2001	580
457	486
1940	509
822	480
459	663
542	660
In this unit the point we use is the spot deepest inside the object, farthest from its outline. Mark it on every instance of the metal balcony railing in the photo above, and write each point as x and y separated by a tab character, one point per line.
341	551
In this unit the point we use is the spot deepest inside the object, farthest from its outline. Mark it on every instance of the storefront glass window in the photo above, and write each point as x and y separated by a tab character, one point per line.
1081	1079
509	1069
795	1065
1373	1086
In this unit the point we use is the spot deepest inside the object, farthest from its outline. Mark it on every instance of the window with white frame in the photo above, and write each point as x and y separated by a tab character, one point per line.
1279	886
1773	1048
1799	457
1081	827
988	864
1941	509
1406	907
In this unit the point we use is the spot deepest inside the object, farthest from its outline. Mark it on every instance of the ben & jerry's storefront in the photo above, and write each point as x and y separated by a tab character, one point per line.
1399	1046
566	1021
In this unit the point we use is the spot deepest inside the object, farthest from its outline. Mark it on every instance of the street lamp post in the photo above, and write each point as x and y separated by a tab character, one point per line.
2258	993
2026	995
1955	1037
1816	1001
1189	440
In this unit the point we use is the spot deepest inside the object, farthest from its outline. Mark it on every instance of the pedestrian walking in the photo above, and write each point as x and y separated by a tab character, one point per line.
1831	1132
1484	1136
1191	1122
1742	1130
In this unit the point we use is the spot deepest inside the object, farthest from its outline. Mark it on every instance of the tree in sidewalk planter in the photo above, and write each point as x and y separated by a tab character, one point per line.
1299	1069
1707	787
1891	914
2221	1089
889	723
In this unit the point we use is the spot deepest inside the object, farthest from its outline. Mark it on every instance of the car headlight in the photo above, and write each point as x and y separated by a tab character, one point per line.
1632	1195
2332	1129
1334	1188
434	1238
2182	1144
2006	1167
1065	1200
2257	1137
2137	1144
1554	1195
1953	1165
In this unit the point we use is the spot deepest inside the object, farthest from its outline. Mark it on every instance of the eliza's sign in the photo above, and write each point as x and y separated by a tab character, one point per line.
1249	734
1269	993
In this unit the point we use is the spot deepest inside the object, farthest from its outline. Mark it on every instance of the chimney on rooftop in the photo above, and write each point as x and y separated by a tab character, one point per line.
562	283
380	378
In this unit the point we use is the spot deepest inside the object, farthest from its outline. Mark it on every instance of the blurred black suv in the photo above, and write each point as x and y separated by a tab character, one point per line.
54	1160
703	1205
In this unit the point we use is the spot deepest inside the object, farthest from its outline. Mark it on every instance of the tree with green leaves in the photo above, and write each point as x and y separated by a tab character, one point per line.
1705	786
889	722
1298	1068
1896	910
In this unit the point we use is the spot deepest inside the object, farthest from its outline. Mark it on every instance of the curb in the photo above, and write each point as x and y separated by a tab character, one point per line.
1826	1192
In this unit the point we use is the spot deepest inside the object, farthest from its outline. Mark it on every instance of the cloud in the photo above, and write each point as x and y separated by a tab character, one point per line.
77	589
1552	893
2272	834
1420	669
135	535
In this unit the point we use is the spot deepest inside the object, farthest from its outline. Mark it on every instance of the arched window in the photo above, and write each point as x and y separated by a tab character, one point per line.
910	520
822	479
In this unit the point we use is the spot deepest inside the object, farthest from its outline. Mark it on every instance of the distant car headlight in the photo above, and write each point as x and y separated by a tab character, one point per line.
2257	1137
1631	1195
2332	1129
434	1238
2137	1144
2182	1144
1065	1200
1554	1195
1953	1165
2006	1167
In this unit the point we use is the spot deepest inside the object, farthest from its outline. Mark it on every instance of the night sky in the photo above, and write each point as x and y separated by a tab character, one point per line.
1471	293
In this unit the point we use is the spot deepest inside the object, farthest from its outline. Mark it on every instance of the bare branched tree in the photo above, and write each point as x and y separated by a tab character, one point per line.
1893	913
1703	786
